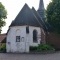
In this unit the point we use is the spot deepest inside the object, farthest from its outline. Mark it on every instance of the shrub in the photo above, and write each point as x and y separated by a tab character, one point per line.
33	48
3	47
41	47
44	47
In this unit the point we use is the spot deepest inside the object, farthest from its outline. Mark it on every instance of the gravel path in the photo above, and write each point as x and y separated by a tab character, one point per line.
7	56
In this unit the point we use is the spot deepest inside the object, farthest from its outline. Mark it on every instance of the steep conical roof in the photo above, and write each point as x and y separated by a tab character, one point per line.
25	17
41	22
41	9
41	5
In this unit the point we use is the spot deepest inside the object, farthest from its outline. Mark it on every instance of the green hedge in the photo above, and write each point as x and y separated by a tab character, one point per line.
41	47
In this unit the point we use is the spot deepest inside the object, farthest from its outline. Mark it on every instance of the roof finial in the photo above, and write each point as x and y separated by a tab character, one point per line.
41	5
41	9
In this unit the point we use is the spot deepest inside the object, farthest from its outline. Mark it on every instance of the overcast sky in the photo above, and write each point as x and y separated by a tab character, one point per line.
14	6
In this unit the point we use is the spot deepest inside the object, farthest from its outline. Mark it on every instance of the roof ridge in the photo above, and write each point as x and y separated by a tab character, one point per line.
26	17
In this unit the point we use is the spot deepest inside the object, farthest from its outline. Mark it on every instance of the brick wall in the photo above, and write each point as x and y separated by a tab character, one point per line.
53	39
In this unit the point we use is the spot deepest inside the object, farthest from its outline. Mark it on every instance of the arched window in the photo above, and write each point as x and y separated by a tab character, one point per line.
34	36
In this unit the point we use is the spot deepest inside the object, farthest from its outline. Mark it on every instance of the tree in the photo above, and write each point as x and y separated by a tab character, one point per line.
53	15
3	16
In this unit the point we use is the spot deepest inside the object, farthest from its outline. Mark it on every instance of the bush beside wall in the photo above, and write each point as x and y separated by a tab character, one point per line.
41	48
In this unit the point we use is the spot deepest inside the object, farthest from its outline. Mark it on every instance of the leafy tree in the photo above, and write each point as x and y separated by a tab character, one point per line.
3	16
53	15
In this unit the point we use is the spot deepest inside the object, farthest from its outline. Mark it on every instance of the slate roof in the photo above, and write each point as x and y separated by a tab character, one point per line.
41	22
25	17
29	17
41	10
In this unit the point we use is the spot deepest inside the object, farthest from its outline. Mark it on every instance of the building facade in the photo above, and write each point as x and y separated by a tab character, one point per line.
27	29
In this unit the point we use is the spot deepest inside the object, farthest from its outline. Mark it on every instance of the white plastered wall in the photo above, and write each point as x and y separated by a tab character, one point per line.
28	38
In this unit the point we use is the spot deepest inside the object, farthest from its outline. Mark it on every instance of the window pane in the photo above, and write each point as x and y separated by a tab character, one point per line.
17	38
34	36
27	29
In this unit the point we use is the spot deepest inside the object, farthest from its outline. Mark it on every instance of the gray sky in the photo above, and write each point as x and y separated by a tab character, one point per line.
14	6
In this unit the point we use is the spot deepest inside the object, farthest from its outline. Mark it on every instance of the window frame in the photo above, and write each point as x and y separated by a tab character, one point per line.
35	36
17	38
